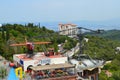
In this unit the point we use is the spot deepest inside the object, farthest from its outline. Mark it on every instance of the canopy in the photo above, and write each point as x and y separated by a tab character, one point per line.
52	66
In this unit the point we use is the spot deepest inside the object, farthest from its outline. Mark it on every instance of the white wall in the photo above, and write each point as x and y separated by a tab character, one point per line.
59	60
28	63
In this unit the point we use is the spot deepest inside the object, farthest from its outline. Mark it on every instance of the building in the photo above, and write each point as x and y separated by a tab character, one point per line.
38	59
54	67
67	29
63	71
87	68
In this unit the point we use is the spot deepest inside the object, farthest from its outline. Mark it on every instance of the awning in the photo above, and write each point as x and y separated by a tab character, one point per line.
52	66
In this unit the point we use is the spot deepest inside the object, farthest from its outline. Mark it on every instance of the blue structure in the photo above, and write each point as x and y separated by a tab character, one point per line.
12	75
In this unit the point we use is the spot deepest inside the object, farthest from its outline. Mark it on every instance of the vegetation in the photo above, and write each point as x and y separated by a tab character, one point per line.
16	33
114	68
110	34
3	72
101	48
98	47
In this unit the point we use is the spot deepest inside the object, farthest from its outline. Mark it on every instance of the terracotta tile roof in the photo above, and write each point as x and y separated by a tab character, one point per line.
55	56
68	24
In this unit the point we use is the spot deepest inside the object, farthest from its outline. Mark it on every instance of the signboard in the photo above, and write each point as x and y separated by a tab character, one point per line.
45	61
21	62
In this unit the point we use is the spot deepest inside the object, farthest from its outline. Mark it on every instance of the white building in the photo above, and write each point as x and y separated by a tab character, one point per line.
37	60
67	29
118	48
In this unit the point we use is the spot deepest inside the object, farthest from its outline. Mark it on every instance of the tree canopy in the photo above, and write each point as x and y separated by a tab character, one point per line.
16	33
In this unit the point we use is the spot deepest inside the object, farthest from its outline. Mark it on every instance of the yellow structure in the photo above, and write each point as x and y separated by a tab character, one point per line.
18	72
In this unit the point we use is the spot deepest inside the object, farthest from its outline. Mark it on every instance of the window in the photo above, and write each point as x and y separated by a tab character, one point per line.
66	27
92	78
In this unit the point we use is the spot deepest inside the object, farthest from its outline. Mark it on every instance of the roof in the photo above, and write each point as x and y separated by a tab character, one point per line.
88	64
52	66
37	56
68	24
56	56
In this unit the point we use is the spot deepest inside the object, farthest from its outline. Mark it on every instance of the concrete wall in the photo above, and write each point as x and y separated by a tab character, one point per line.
59	60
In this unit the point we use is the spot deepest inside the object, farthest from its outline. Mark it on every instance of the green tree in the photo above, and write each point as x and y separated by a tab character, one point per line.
116	75
7	34
3	33
30	25
43	28
3	72
102	76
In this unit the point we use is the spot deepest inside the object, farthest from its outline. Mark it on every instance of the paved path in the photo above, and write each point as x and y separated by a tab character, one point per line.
71	52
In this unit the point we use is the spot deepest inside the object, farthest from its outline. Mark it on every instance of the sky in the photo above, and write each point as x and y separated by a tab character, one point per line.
58	10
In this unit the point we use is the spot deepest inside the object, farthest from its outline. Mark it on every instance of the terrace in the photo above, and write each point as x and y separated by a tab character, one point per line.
54	72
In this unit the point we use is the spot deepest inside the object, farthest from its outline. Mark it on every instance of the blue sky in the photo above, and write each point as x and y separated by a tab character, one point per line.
58	10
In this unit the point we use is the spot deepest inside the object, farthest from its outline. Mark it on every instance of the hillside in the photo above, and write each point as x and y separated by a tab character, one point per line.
112	34
16	33
109	34
99	46
104	49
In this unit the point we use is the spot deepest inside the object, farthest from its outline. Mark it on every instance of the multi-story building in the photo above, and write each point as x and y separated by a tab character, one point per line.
67	29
